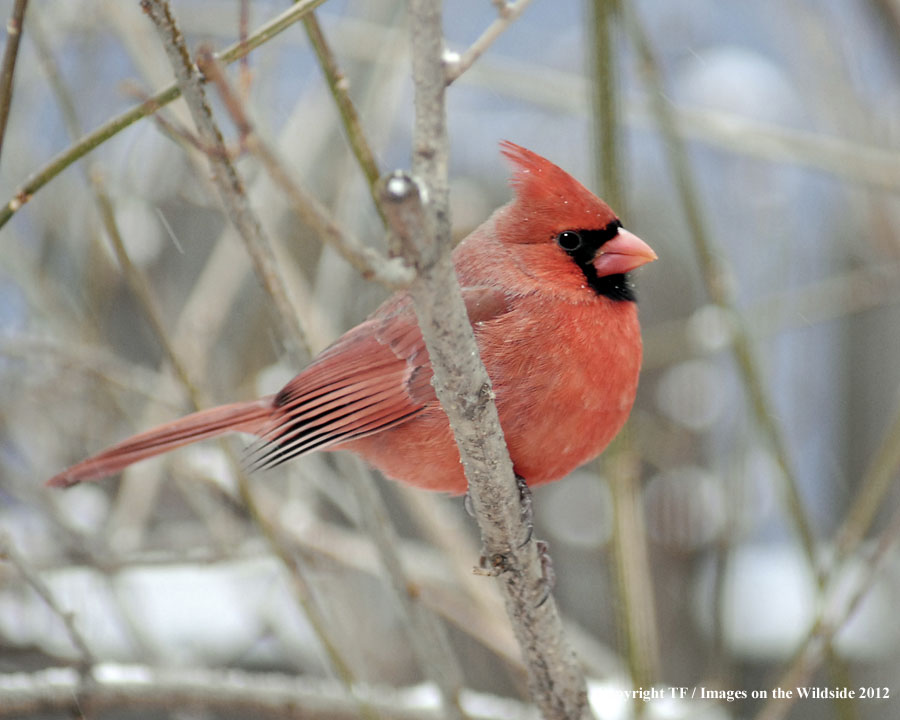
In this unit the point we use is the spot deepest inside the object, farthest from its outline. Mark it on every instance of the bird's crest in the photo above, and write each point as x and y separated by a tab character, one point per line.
549	199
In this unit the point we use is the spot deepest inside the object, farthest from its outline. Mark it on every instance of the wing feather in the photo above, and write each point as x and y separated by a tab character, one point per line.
373	378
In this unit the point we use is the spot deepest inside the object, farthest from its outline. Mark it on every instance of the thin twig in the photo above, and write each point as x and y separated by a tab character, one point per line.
235	201
849	160
605	116
391	272
881	474
634	583
114	126
508	13
302	592
714	273
9	552
227	181
8	68
422	235
428	636
426	633
132	688
833	298
246	76
178	132
140	289
94	362
832	617
338	84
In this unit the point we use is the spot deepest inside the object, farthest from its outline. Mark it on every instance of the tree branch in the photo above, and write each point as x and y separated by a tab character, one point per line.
419	216
114	126
226	179
835	611
8	68
390	272
129	687
9	552
507	14
464	389
714	272
338	84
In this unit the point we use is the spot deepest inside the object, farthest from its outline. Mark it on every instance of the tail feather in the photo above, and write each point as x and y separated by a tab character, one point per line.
248	417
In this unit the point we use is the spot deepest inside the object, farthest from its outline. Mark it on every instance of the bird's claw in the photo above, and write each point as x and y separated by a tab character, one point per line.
467	504
527	509
499	563
493	566
548	574
526	506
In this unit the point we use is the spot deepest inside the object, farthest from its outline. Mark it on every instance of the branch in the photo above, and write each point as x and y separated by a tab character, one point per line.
874	485
112	127
338	84
508	12
833	615
227	180
714	272
8	69
9	552
422	236
419	216
427	634
464	389
129	687
390	272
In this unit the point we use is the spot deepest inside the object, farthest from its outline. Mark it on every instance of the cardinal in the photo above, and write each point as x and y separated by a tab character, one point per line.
546	286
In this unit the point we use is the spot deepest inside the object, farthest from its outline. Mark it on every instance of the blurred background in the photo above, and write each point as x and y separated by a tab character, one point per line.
739	536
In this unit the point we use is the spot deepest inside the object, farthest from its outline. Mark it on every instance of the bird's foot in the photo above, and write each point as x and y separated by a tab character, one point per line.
499	563
467	504
525	504
548	574
526	507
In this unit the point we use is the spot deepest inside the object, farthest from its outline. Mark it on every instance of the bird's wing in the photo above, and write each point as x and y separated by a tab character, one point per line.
374	377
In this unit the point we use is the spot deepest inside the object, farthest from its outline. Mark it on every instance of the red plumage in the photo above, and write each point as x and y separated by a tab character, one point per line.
545	287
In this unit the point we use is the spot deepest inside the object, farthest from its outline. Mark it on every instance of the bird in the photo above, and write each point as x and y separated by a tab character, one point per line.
547	289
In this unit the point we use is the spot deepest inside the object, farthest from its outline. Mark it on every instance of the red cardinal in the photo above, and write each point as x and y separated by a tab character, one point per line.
545	284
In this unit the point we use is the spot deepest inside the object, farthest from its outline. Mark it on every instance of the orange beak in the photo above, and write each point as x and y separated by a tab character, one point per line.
626	251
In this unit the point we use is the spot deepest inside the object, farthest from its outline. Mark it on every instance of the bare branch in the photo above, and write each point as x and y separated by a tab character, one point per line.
8	68
227	181
114	126
426	633
420	219
391	272
127	687
874	485
9	552
464	389
833	615
338	85
508	12
714	274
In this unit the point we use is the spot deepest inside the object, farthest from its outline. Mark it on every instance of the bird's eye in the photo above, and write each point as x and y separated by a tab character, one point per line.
569	240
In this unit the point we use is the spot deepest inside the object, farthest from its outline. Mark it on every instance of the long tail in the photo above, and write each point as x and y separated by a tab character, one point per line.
249	417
